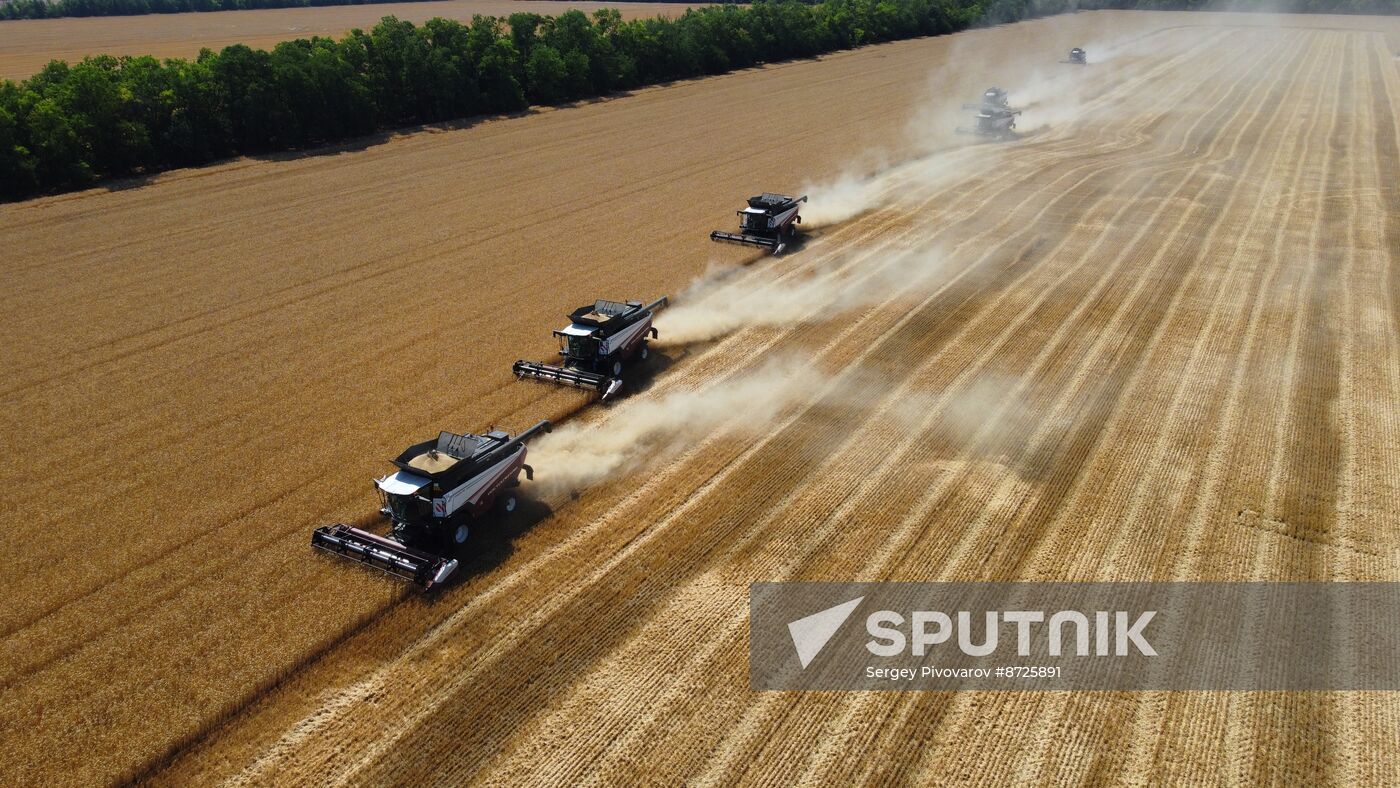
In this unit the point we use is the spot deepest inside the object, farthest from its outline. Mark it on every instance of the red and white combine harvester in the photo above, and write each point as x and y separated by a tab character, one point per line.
599	339
440	487
770	221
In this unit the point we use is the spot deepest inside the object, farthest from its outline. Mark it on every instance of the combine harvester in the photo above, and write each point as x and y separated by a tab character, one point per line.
770	221
995	117
1077	57
440	487
599	338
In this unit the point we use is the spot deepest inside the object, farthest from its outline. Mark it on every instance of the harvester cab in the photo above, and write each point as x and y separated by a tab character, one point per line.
1077	56
441	485
994	98
995	117
600	339
769	220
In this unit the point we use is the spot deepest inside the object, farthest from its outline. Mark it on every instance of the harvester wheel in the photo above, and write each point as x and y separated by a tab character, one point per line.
460	535
617	368
509	504
644	352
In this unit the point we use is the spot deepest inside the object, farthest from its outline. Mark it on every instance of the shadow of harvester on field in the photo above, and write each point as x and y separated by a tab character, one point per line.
642	375
492	542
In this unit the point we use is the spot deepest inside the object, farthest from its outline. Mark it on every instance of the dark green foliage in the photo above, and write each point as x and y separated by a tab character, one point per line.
501	78
548	75
48	9
70	125
17	165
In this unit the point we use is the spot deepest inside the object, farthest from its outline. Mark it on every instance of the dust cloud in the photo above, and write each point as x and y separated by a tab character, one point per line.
844	198
653	428
713	307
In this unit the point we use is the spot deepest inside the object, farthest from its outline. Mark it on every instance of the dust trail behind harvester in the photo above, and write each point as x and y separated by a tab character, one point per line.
653	428
715	307
846	197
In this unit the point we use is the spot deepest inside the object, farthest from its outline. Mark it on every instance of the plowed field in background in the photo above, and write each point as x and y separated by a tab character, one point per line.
1161	344
26	45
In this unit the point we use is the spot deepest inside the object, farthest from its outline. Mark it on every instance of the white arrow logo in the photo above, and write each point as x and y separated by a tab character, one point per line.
810	634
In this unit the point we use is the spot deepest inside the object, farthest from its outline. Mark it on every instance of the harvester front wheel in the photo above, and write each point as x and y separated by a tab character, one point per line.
509	504
460	535
617	368
644	352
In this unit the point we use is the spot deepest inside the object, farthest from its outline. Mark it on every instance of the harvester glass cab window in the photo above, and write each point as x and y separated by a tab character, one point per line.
406	508
754	221
576	346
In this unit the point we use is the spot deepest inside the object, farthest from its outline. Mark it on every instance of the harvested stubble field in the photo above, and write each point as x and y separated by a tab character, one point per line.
26	45
1154	339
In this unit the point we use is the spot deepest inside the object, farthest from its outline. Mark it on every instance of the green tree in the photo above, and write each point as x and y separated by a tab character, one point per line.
398	67
452	83
524	31
17	164
59	157
547	75
248	96
574	38
199	128
500	86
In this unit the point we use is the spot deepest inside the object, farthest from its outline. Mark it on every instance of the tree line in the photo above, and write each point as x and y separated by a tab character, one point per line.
70	125
50	9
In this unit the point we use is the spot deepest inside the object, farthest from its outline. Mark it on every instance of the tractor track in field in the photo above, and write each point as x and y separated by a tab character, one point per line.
1156	340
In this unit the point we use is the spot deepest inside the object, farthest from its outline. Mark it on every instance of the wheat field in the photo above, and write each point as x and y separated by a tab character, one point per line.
1156	338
